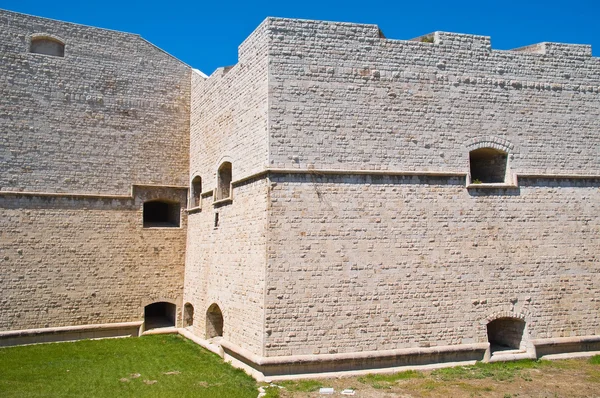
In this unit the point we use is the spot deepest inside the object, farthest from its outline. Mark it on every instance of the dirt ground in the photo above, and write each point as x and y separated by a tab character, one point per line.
545	379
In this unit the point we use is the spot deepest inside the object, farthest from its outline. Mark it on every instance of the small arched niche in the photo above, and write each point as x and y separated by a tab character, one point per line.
488	166
224	178
214	322
161	214
159	315
188	315
506	334
47	45
196	191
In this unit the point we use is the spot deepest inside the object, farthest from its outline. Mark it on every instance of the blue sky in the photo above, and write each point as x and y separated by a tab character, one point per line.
206	35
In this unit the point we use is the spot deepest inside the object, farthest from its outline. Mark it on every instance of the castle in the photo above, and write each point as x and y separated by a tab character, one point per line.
335	201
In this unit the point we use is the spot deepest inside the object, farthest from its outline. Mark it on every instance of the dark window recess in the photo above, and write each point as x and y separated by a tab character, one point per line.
224	181
159	315
214	322
47	46
161	214
216	220
188	315
196	191
505	334
487	165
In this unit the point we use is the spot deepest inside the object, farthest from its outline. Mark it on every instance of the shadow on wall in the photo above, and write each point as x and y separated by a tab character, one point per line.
315	177
487	191
546	182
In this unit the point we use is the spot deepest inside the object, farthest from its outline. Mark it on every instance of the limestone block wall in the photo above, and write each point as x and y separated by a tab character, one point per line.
83	135
358	263
73	260
344	97
225	265
229	115
112	112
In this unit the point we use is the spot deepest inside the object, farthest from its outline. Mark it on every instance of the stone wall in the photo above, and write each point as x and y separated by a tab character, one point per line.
226	264
87	138
343	97
361	258
229	115
114	111
358	263
86	260
370	259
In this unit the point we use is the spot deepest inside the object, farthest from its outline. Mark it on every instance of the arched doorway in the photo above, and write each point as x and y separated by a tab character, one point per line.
159	315
188	315
505	334
214	322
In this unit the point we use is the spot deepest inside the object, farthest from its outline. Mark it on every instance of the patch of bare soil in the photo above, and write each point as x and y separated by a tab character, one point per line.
544	379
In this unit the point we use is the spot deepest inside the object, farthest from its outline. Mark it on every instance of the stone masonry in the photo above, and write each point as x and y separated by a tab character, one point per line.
358	229
372	262
86	139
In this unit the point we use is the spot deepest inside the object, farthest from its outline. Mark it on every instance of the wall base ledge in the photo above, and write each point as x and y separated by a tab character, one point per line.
562	345
500	357
215	348
570	355
349	364
566	340
390	361
69	333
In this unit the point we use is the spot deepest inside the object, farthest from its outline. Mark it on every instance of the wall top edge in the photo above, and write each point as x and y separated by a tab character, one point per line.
21	14
44	20
359	31
278	27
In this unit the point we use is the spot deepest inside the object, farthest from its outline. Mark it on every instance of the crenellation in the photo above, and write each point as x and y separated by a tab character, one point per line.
461	42
575	51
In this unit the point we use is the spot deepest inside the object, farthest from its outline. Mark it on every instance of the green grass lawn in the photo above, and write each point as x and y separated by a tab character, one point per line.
150	366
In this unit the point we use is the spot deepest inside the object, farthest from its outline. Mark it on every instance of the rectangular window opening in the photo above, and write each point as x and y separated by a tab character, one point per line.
159	214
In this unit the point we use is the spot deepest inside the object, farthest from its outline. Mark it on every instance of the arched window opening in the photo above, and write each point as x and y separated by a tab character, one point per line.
188	315
214	322
224	181
47	46
160	214
487	165
506	334
159	315
196	191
